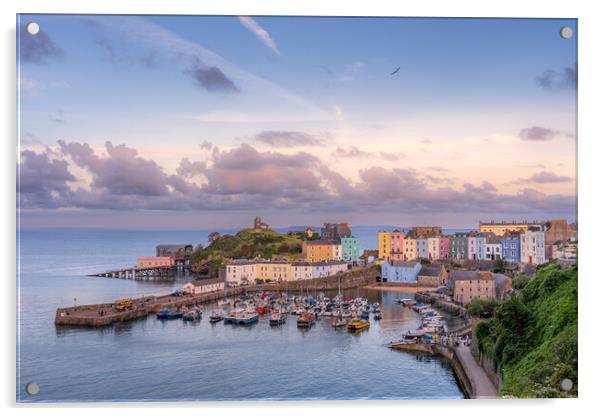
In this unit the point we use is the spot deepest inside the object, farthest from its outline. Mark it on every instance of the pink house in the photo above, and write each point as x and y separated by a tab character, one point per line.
397	245
443	247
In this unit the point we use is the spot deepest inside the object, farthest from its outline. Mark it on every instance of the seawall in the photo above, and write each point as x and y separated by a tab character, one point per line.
98	315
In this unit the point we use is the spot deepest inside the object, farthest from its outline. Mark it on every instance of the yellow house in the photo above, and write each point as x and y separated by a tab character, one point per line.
384	245
320	250
501	228
274	271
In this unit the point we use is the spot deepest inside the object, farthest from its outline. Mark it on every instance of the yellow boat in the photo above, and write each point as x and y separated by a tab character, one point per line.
358	324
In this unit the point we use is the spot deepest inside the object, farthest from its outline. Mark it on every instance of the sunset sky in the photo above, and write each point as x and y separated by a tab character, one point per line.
184	121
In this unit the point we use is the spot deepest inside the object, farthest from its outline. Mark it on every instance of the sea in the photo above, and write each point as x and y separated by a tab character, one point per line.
153	360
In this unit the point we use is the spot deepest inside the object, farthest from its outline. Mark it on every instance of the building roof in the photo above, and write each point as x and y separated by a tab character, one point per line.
321	242
469	275
203	282
154	258
430	271
405	264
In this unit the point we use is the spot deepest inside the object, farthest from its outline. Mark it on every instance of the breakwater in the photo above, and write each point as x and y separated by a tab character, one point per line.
98	315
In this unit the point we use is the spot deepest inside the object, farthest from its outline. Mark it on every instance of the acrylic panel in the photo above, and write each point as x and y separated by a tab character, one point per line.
295	208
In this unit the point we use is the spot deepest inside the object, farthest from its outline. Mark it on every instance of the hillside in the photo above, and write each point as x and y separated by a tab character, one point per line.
533	336
248	244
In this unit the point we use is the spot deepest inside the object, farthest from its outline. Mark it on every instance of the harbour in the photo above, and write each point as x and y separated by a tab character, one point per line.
197	360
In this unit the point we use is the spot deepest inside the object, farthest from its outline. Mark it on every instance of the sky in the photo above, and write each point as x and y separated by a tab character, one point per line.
208	121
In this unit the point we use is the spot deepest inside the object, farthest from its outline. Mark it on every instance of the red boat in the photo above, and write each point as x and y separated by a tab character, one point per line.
263	309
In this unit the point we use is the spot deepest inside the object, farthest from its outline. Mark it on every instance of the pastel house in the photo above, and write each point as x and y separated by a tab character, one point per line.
400	271
350	249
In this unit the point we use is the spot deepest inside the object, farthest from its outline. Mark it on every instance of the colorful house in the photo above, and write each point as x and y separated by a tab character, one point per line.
434	248
384	245
397	238
321	250
511	247
458	246
328	268
422	248
476	246
443	247
503	227
400	271
409	249
532	246
350	249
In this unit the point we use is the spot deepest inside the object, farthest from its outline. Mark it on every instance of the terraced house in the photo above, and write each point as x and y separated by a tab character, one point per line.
350	249
321	250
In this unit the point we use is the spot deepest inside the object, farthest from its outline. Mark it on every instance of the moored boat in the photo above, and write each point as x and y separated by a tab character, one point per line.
277	318
192	315
340	323
169	314
216	316
248	319
358	324
306	320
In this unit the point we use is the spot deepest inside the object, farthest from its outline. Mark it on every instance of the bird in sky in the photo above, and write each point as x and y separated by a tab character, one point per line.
396	71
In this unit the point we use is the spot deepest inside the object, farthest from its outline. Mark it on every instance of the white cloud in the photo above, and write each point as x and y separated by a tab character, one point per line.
258	31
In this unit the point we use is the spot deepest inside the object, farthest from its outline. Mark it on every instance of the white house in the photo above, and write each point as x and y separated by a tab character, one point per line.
241	272
433	247
327	268
200	286
532	246
493	251
302	270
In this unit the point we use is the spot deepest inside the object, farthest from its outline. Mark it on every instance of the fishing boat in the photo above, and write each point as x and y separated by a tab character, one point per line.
163	314
306	320
216	316
277	318
358	324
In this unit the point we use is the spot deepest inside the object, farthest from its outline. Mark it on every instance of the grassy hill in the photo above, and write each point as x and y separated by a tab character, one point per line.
533	336
248	244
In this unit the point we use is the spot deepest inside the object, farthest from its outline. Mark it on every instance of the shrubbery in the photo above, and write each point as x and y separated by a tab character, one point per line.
532	337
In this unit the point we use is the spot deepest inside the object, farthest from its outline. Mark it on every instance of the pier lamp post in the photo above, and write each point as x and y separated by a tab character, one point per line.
74	302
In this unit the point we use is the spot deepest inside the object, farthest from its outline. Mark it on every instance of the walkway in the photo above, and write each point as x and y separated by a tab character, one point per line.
482	385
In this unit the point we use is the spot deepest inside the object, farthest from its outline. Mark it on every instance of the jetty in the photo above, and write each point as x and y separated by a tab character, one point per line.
147	273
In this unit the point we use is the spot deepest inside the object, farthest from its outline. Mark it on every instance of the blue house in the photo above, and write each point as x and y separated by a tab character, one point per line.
511	247
350	249
400	271
422	248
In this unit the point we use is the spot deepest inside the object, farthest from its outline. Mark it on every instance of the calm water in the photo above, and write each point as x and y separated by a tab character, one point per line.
155	360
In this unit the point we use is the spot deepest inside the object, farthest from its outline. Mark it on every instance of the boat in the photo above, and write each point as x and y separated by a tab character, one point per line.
306	320
377	316
216	316
169	314
277	318
358	324
365	315
193	315
340	323
248	319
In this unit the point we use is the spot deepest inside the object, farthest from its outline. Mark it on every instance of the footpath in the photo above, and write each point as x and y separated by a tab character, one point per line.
483	387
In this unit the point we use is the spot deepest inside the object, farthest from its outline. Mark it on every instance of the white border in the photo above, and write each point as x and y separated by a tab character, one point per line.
589	183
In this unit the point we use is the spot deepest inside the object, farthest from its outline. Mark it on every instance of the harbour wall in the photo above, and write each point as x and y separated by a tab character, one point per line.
98	315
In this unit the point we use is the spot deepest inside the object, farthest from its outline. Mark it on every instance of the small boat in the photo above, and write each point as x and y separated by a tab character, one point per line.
169	314
365	315
358	324
377	316
248	319
216	316
306	320
340	323
193	315
277	318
